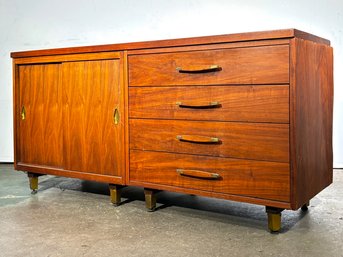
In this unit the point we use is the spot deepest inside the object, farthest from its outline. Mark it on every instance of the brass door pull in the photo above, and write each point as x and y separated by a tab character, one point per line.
23	113
198	68
199	105
116	116
198	139
198	174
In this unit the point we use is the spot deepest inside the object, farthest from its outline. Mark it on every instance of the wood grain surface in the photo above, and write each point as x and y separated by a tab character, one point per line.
93	143
254	65
311	119
40	133
267	180
236	103
67	58
255	141
228	38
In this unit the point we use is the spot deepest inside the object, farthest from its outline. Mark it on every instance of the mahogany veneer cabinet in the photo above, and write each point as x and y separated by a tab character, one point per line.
244	117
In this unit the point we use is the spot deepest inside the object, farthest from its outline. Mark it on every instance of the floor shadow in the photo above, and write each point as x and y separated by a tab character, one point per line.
238	213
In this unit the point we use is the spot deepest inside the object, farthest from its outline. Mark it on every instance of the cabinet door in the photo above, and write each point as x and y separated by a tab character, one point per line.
93	117
39	126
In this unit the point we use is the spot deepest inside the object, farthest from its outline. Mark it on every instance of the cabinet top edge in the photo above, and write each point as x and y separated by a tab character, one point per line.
192	41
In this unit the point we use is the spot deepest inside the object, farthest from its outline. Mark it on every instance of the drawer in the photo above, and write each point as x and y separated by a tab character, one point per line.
217	103
252	65
257	141
267	180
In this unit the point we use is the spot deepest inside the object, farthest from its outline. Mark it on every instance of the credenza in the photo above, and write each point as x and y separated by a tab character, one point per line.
245	117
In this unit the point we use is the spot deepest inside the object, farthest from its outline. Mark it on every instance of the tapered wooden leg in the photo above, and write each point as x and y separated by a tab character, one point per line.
274	218
33	180
304	208
150	199
115	194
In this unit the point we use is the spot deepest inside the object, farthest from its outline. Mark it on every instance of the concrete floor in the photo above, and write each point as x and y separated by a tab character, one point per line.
70	217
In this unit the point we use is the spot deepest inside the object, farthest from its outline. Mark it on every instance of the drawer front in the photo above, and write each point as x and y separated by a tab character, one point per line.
217	103
267	180
253	65
257	141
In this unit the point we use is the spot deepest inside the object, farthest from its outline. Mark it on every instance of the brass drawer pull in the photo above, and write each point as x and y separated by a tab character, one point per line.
198	139
199	105
198	68
198	174
116	116
23	113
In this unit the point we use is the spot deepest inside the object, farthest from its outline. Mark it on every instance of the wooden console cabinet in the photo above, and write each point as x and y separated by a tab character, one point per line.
244	117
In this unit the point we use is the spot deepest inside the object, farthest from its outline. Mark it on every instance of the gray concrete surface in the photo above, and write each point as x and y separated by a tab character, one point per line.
70	217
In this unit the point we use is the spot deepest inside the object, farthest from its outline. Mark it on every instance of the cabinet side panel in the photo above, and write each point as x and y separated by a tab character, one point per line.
311	119
16	110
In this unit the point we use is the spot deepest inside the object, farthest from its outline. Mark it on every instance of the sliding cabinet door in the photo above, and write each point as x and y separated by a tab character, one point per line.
38	115
93	117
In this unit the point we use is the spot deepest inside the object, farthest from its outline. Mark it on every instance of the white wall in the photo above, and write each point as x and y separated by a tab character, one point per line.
38	24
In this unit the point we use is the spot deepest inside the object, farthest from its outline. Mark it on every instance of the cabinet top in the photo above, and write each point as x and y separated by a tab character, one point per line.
228	38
